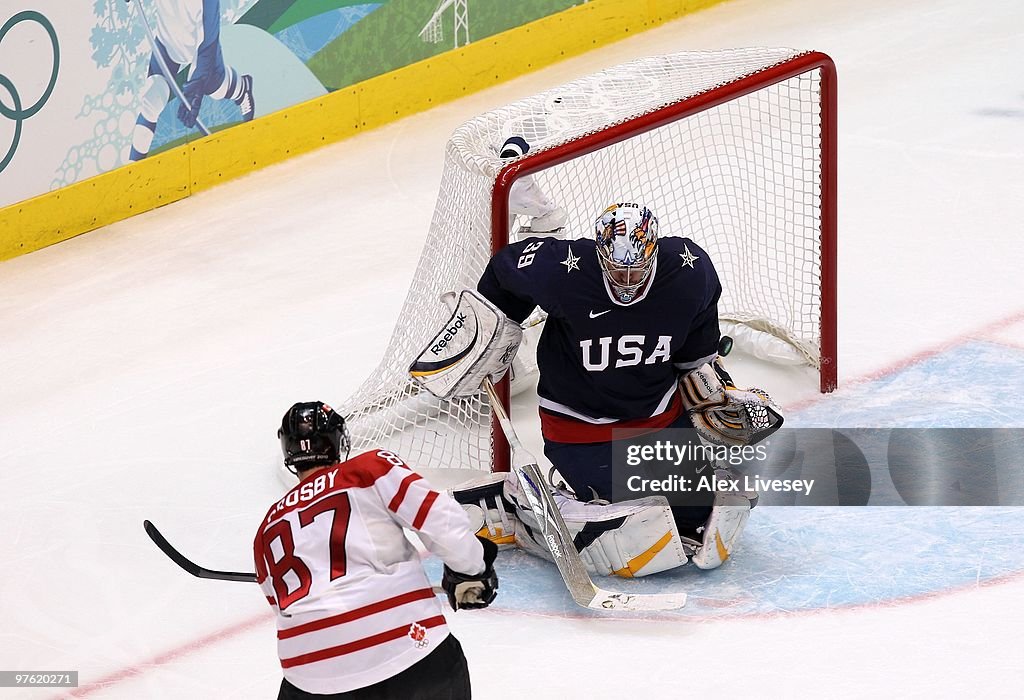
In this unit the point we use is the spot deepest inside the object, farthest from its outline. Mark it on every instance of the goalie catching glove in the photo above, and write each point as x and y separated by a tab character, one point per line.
476	591
477	341
723	414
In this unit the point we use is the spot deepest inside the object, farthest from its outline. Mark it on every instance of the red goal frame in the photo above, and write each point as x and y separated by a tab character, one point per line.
798	65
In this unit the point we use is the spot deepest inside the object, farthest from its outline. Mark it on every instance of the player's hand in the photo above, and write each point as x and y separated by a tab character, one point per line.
467	591
203	81
193	91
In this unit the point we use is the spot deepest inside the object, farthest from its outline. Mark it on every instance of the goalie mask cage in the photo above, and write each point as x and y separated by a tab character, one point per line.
734	149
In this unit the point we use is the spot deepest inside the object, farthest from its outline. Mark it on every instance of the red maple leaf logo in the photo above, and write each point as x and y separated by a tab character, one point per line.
418	633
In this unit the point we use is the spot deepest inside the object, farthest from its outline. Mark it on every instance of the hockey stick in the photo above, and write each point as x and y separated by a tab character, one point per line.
187	564
202	572
164	69
556	534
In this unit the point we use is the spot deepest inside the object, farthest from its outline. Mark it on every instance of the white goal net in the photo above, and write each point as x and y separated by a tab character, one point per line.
734	149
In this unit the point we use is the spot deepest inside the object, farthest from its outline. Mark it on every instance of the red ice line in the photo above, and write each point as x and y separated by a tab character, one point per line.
138	669
983	333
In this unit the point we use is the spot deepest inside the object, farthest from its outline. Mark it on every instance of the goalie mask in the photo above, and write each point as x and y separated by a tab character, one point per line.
627	244
312	435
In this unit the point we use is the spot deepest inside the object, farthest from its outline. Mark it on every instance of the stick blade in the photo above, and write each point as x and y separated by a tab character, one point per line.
160	541
190	566
649	602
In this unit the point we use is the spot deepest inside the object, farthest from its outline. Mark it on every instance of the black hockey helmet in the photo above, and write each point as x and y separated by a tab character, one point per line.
313	435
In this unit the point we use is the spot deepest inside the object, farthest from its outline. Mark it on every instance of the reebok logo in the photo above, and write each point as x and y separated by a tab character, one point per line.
449	333
600	313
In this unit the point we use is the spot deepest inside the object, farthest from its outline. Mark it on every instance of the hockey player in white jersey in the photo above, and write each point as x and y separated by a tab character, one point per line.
356	616
187	33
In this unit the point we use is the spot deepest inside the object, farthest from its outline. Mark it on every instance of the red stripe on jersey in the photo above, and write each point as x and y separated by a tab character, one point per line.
379	606
421	514
271	601
559	428
359	644
403	488
362	471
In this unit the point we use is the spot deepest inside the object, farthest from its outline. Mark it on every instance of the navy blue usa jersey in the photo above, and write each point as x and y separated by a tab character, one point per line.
600	359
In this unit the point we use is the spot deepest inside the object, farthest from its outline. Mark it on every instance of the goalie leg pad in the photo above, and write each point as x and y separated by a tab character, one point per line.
629	539
492	516
722	530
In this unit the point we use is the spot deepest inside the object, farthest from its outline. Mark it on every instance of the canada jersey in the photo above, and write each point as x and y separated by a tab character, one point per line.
354	606
601	360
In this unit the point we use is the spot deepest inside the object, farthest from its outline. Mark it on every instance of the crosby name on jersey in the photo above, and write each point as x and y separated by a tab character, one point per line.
602	361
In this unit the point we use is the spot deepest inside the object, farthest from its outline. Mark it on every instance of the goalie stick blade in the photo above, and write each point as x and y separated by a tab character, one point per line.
187	564
570	564
608	600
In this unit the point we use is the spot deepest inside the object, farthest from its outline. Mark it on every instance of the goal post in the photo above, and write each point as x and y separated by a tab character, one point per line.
735	149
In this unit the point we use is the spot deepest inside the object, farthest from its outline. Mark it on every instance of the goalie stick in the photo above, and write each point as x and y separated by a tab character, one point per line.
556	534
553	528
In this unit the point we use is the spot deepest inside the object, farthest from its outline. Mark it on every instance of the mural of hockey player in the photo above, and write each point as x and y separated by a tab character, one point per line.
528	199
187	34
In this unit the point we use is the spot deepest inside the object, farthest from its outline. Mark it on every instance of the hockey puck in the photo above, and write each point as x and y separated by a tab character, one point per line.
724	346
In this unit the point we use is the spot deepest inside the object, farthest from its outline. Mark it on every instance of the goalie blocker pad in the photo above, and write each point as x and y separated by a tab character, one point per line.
478	340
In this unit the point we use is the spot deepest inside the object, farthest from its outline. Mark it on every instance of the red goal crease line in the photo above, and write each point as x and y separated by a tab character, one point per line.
979	334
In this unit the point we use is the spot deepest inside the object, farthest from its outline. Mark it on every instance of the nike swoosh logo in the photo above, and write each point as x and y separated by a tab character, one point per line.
601	313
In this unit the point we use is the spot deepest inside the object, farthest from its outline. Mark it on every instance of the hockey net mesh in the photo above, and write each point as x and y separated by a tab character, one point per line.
742	179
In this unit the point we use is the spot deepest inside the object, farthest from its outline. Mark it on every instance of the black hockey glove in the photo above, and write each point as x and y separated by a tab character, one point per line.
476	591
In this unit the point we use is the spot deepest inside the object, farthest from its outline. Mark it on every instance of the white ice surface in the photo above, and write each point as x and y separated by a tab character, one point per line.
145	365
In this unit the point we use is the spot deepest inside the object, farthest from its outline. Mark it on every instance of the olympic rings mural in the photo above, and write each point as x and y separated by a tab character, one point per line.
17	113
